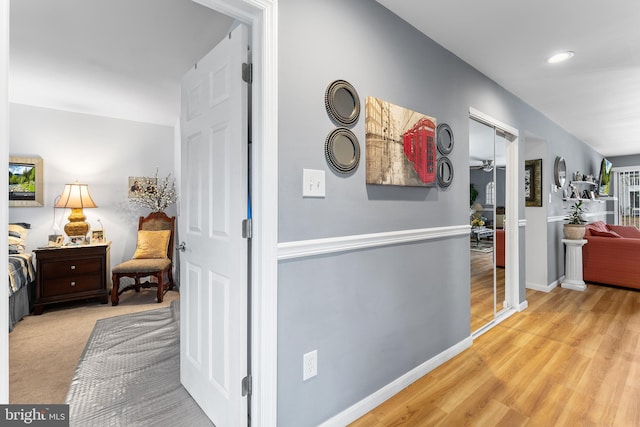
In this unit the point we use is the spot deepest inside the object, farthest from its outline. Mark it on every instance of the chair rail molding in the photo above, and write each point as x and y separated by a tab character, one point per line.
305	248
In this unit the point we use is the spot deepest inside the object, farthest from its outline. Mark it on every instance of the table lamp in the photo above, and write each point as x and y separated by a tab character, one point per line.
76	197
477	210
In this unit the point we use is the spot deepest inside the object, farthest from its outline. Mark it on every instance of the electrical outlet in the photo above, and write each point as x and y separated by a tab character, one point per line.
309	365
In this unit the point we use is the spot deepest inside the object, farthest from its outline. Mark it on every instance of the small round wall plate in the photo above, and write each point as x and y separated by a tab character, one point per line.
444	139
560	171
342	102
444	171
342	150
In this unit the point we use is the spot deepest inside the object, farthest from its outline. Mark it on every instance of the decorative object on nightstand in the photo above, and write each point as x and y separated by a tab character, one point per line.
76	197
574	228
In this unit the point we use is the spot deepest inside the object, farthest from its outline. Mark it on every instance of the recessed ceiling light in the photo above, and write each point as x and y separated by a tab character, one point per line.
559	57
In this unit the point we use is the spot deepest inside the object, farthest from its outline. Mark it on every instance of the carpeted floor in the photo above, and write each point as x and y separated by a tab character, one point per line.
44	350
129	374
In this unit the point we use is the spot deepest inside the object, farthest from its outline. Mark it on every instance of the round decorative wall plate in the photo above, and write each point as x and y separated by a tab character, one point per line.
444	172
444	139
342	102
342	150
560	171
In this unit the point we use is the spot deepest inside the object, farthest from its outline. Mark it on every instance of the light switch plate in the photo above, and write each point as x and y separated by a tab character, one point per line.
313	183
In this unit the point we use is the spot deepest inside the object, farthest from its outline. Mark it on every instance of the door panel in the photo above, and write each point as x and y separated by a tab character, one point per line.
214	150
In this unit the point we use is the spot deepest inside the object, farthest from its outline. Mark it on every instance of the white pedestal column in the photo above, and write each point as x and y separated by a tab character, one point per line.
573	265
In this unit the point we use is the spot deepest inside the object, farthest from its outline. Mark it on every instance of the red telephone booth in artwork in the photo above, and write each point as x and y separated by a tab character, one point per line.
425	156
408	139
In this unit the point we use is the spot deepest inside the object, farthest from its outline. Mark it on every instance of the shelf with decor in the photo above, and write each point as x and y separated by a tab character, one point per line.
583	182
569	199
577	190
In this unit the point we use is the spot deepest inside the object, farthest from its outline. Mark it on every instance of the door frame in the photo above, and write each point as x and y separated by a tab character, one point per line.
512	225
262	17
4	218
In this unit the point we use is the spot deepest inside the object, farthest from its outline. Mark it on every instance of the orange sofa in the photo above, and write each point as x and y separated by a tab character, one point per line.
499	233
611	255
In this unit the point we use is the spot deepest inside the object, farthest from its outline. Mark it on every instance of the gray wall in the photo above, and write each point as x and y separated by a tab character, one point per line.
374	314
621	161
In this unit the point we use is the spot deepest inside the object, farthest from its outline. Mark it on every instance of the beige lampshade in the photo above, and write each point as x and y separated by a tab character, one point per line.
76	197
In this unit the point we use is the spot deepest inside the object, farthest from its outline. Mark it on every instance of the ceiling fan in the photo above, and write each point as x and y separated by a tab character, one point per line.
487	165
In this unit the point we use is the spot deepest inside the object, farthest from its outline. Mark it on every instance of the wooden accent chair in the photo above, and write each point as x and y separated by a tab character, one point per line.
153	257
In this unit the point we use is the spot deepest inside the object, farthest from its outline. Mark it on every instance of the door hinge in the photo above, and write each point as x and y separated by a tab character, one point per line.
246	229
247	72
246	385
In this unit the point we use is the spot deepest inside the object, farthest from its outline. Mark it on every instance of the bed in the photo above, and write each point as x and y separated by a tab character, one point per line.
21	274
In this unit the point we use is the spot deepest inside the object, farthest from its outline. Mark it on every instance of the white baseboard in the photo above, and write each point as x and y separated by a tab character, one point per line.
523	306
374	400
544	288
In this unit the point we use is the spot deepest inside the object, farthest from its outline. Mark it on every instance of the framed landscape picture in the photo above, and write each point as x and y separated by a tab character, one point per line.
25	181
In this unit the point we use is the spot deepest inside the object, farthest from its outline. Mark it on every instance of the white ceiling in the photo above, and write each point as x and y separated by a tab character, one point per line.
594	96
116	58
124	58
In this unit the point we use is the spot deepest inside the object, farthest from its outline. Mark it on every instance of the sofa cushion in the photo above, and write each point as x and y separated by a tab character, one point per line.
626	231
597	226
600	229
607	233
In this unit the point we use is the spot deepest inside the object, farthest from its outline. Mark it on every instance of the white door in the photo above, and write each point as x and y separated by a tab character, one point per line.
213	268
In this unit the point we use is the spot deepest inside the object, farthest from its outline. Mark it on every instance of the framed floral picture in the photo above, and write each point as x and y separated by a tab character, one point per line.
141	184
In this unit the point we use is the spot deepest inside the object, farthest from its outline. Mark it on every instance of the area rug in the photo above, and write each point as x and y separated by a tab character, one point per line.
129	374
485	246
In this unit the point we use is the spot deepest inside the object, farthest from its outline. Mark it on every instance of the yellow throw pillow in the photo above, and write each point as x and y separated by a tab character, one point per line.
152	244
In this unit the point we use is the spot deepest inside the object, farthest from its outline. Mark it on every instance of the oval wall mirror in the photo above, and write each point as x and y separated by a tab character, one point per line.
444	172
342	150
560	171
342	102
444	139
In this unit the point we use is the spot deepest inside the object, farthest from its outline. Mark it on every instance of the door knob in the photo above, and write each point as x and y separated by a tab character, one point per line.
182	247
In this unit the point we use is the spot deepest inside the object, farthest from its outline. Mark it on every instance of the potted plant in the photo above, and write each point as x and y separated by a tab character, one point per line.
473	194
574	228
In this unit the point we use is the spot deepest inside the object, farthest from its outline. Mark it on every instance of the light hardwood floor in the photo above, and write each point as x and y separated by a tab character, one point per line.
482	303
571	359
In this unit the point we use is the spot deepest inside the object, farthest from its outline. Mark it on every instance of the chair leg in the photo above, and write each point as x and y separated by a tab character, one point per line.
170	276
160	294
115	280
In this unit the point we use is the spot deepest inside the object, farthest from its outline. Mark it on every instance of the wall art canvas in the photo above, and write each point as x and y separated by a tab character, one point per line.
400	144
140	184
533	182
25	181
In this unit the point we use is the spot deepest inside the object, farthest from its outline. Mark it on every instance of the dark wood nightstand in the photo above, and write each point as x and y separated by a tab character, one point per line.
71	273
